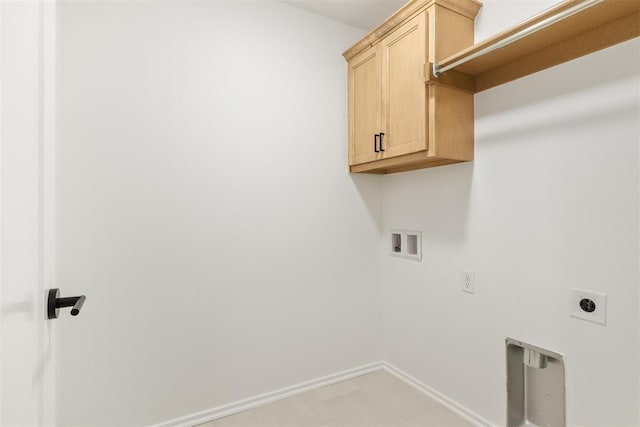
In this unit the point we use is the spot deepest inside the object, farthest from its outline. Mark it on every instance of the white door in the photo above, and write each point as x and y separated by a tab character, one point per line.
26	142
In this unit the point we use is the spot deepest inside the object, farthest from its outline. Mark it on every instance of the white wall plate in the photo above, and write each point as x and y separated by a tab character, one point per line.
589	305
468	281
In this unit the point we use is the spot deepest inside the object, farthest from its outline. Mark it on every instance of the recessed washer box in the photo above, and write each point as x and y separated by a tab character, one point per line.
413	245
396	243
406	244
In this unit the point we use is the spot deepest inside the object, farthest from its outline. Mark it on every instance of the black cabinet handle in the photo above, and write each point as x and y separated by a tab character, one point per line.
381	136
375	143
55	302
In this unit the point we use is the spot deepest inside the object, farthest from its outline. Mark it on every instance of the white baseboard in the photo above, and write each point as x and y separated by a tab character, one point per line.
261	399
445	401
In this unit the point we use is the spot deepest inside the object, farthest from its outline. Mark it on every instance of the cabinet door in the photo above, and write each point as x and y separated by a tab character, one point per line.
404	93
364	106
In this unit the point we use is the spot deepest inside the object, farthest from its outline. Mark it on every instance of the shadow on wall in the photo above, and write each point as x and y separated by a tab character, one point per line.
532	128
618	63
368	187
594	96
445	190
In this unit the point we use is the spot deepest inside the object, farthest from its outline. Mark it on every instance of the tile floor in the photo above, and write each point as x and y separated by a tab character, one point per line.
375	399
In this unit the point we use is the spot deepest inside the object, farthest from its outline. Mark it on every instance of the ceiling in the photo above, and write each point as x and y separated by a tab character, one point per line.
365	14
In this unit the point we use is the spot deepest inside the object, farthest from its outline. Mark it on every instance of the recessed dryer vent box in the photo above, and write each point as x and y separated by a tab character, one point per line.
535	386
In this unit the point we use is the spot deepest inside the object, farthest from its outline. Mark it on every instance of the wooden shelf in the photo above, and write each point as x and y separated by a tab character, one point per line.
598	27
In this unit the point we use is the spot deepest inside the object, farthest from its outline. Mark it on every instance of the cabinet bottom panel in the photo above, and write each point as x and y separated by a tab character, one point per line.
404	163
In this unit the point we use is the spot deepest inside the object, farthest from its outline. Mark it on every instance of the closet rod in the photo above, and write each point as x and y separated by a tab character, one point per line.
437	70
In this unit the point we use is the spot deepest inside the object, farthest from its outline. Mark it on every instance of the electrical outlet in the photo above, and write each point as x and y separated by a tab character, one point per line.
589	305
468	281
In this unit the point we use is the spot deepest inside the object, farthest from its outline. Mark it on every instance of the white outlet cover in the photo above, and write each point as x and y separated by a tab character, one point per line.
468	281
599	315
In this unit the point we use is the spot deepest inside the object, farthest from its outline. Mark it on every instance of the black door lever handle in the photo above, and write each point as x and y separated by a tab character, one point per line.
54	303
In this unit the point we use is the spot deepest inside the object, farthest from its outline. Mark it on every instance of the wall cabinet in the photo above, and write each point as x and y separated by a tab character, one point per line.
397	121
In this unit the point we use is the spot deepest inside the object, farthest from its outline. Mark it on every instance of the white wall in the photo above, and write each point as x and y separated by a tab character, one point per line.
550	203
205	208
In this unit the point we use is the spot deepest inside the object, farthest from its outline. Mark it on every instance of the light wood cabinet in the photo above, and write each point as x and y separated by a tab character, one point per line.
397	121
365	106
404	100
